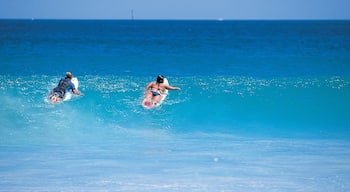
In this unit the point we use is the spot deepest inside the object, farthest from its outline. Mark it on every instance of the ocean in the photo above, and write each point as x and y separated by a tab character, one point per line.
263	106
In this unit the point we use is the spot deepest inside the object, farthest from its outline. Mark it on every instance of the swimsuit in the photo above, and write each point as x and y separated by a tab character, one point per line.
155	93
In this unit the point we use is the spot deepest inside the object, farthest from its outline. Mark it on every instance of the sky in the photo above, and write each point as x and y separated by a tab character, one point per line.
176	9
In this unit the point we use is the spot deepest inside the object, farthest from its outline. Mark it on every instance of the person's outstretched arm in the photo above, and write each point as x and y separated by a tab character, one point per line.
76	92
171	87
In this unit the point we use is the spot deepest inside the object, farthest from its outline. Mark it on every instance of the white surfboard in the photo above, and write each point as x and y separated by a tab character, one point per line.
149	105
69	94
165	93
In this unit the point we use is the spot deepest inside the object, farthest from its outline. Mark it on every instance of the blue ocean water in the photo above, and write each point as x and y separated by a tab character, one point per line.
263	106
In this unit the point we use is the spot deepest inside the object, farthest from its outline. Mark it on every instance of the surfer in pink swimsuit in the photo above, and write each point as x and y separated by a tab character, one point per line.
154	91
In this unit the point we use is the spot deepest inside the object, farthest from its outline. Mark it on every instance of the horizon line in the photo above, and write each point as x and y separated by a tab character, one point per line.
217	19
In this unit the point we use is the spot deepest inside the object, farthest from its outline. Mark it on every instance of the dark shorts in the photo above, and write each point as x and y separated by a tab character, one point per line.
56	94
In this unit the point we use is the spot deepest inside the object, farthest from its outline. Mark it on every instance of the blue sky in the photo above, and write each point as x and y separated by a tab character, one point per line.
175	9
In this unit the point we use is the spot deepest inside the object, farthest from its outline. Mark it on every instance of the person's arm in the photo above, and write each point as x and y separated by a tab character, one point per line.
171	87
148	86
76	92
74	89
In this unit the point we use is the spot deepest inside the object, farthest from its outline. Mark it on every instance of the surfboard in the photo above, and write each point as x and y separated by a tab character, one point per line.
149	104
68	94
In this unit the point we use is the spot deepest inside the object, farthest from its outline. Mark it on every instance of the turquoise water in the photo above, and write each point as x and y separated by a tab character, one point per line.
263	106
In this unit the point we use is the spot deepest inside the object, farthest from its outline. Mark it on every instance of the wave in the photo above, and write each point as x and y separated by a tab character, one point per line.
111	107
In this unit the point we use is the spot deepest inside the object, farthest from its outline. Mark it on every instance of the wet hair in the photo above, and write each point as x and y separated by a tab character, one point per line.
160	79
69	75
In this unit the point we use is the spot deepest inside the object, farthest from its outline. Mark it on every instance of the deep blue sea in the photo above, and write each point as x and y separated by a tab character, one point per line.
263	106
